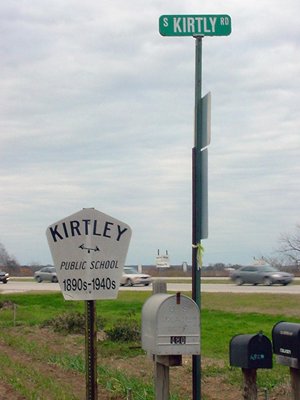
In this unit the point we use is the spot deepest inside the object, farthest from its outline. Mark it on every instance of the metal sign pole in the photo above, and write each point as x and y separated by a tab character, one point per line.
189	25
90	274
91	350
197	208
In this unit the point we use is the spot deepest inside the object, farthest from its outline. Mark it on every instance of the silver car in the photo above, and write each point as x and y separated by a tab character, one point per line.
264	274
132	277
46	274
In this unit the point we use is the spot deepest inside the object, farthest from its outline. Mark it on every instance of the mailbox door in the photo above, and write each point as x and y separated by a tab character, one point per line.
178	327
260	352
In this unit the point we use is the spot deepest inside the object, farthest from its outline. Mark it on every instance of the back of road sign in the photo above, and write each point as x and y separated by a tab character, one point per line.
195	25
89	249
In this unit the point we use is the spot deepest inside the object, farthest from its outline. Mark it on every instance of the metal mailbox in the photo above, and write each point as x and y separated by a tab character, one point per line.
286	343
250	351
170	325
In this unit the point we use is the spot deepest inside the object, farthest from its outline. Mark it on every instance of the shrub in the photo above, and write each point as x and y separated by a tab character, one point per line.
6	304
124	331
73	322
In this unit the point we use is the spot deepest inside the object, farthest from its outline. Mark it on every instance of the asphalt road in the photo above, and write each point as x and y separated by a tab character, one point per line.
14	286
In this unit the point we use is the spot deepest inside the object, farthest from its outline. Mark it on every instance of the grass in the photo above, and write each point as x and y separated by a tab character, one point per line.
114	381
227	314
282	306
27	380
222	317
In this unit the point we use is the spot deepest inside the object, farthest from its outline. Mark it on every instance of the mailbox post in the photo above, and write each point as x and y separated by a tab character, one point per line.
170	328
250	352
286	347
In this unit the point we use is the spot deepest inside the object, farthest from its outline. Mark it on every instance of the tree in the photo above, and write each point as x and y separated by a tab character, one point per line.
290	246
7	261
4	257
274	261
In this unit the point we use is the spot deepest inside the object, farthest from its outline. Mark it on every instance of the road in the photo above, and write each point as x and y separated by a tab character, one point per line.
14	286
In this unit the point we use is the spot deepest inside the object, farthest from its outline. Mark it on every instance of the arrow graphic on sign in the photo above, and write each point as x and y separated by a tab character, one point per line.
89	249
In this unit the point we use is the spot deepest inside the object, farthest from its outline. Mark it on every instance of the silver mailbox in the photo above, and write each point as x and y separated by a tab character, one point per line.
170	325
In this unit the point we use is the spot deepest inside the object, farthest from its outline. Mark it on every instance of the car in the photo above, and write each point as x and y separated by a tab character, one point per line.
4	276
131	277
46	274
264	274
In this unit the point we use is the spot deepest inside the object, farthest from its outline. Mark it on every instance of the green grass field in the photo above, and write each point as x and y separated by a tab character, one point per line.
222	316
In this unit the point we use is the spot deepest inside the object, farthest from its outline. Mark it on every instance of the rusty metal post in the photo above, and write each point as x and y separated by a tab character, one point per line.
91	350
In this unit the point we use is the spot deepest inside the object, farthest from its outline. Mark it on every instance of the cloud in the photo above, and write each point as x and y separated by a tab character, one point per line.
97	111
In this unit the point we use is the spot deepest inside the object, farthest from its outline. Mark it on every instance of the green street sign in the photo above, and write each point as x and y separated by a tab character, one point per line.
193	25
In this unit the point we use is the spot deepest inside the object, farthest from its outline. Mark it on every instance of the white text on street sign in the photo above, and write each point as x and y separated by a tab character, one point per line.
193	25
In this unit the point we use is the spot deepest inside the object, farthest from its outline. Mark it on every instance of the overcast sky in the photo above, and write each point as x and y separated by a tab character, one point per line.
97	110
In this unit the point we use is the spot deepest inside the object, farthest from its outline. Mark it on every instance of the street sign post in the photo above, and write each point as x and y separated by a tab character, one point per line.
198	26
195	25
89	250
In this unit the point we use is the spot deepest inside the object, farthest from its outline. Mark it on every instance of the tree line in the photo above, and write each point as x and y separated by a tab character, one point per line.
287	255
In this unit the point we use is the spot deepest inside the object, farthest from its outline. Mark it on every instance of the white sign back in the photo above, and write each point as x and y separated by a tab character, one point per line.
89	249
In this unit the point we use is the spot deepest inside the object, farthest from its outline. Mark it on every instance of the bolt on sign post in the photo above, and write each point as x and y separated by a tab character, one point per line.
89	249
198	26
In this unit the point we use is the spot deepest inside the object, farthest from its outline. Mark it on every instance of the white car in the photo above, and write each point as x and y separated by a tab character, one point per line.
131	277
46	274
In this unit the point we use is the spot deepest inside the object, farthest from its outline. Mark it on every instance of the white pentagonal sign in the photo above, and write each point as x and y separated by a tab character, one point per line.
89	249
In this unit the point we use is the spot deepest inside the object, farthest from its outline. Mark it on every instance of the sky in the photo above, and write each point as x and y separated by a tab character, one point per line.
97	110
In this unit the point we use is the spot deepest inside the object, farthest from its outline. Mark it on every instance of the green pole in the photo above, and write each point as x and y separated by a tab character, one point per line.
197	207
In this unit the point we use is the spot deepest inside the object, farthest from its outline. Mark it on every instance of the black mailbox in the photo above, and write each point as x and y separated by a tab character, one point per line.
286	343
250	351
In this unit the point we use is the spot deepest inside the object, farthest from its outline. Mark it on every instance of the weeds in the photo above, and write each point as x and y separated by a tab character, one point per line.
29	382
68	361
124	331
67	323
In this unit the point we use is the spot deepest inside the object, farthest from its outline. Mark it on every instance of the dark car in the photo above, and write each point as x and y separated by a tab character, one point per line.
46	274
4	277
264	274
